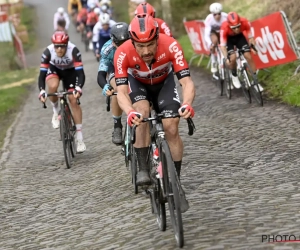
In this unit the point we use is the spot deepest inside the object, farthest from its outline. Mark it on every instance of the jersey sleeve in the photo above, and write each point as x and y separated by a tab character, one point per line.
121	66
104	60
78	67
223	34
207	31
44	66
180	65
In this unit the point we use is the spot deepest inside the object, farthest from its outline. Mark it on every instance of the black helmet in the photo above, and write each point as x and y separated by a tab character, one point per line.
119	33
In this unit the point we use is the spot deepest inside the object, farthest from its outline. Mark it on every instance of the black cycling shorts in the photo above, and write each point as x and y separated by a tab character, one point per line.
239	41
164	96
111	72
68	76
216	33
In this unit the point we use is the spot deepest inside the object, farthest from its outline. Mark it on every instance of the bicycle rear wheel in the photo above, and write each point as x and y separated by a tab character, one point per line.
65	136
161	218
126	149
227	81
172	190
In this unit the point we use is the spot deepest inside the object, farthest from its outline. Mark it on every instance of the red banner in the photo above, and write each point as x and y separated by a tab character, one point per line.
195	31
270	35
272	42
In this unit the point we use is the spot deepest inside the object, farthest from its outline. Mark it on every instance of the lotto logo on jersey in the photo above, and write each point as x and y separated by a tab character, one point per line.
120	61
173	48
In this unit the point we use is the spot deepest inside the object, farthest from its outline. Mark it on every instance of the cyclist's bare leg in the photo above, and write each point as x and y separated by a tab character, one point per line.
173	138
232	63
52	84
76	110
174	141
214	40
249	59
142	131
116	110
142	143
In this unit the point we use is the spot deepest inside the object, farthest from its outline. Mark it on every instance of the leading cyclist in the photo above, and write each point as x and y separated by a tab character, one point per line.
213	24
61	60
235	32
144	73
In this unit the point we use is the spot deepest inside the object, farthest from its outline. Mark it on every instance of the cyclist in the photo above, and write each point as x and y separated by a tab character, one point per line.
74	6
104	19
148	9
213	24
119	34
144	73
81	20
61	19
235	32
104	33
62	61
84	3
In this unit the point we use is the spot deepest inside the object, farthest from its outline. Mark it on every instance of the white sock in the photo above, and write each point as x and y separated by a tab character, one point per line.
213	58
79	132
55	107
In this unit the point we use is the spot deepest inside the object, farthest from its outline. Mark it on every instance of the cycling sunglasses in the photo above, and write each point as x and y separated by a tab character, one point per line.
56	46
235	27
217	14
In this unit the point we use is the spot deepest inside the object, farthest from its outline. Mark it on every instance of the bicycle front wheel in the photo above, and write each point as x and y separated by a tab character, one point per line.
65	137
255	88
172	190
227	81
133	169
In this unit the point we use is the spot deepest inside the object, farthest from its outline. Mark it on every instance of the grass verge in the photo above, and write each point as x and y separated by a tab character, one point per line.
280	84
28	19
13	98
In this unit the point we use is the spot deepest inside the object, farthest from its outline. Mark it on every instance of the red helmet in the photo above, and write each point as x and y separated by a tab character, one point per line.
60	37
143	28
145	8
233	19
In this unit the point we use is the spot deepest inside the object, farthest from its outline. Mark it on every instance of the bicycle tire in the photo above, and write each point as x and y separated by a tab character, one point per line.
161	217
127	146
254	89
245	88
72	132
171	187
133	170
64	132
221	80
227	81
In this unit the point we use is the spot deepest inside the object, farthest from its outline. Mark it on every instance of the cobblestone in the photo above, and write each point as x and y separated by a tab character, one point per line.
240	173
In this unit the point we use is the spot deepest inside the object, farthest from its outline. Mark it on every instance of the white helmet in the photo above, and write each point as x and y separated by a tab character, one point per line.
104	8
61	10
215	8
104	18
97	11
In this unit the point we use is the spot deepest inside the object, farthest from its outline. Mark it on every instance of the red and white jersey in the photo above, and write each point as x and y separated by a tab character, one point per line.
212	24
127	61
227	31
163	27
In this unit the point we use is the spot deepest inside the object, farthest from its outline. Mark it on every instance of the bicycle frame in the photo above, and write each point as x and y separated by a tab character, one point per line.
241	66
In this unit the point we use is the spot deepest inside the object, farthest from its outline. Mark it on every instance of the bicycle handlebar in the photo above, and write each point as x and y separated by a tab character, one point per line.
59	95
108	100
191	125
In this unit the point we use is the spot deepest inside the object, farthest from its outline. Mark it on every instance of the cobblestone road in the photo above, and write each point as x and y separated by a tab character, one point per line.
241	175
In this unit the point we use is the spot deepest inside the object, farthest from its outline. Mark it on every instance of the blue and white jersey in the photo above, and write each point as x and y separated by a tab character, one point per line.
107	56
